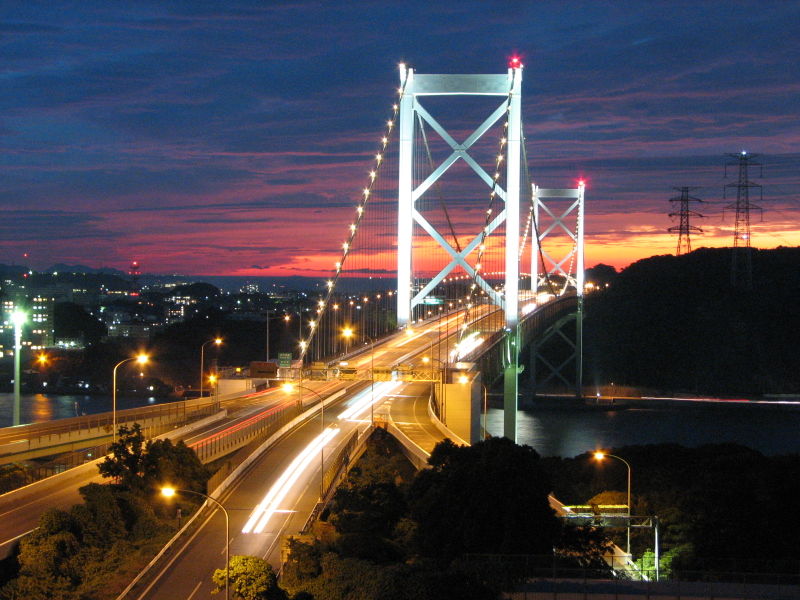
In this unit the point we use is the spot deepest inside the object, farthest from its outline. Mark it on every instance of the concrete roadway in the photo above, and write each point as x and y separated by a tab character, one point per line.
187	575
17	518
20	509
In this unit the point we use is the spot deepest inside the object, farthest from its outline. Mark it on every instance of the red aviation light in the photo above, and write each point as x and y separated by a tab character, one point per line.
515	62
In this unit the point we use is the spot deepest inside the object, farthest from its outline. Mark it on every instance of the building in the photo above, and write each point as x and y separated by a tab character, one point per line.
39	330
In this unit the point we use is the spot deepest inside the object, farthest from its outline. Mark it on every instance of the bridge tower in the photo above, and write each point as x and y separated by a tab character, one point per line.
414	87
559	206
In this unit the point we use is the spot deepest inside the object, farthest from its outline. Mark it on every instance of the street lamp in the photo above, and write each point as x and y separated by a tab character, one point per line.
347	333
214	381
18	318
289	388
141	359
169	492
216	341
600	456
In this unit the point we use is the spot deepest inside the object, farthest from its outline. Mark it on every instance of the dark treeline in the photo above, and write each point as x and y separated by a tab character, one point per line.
677	324
392	534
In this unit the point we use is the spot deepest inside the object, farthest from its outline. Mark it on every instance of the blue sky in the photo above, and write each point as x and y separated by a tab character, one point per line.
196	136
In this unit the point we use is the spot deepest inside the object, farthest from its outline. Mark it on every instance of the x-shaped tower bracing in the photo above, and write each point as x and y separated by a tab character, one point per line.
553	266
415	86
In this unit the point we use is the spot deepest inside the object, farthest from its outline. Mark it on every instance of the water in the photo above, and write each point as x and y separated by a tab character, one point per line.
567	428
37	408
555	428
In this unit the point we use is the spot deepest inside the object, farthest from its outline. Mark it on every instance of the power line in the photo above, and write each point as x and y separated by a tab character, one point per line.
684	228
742	259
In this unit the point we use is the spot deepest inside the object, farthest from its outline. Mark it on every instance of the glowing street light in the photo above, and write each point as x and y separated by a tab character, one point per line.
289	388
600	456
141	359
18	318
348	333
217	341
169	492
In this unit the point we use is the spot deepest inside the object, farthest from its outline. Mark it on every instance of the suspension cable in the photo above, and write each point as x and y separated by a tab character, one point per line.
436	184
305	345
488	219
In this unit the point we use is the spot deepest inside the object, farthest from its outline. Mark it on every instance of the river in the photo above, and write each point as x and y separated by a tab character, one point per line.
36	408
568	428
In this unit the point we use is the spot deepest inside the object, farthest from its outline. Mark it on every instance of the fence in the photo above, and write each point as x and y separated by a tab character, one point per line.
561	577
168	418
252	434
618	589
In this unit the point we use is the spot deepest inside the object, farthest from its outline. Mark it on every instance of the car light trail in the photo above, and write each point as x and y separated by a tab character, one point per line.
270	504
361	403
465	346
240	425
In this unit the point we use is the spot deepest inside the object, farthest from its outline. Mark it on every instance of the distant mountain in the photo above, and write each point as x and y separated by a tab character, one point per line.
63	268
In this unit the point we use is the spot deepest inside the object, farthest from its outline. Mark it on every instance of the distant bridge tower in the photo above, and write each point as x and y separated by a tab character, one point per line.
683	228
416	86
135	272
742	259
553	213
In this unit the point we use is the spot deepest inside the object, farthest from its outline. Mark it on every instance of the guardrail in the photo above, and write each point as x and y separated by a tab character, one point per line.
61	431
30	473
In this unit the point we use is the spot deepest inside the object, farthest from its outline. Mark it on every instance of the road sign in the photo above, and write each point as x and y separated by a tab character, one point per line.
285	360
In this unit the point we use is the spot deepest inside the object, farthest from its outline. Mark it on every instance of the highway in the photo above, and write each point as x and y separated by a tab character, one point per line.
278	492
433	339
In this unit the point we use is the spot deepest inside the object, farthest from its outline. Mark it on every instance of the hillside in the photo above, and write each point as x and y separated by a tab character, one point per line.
675	323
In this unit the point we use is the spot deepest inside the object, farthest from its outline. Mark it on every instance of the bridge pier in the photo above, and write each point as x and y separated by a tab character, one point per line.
511	384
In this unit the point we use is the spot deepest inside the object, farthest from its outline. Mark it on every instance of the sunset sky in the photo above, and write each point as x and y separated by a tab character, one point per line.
233	138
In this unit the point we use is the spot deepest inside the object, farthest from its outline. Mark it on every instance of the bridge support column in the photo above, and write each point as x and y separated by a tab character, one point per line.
511	384
405	197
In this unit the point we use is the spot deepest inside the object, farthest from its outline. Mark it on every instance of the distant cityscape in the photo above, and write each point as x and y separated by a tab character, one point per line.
128	305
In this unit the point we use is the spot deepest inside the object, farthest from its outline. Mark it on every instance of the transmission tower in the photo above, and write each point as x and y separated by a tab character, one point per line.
684	212
742	259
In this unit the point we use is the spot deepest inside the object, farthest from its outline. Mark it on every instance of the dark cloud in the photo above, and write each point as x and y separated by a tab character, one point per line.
169	125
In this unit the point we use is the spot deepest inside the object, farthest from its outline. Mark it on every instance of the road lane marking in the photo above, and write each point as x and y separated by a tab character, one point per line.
194	591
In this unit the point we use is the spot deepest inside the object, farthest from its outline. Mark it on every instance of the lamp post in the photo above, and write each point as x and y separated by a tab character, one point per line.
168	492
600	456
289	388
347	333
18	318
141	359
217	341
214	381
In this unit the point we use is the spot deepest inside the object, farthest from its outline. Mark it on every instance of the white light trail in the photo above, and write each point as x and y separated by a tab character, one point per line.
361	403
270	504
465	346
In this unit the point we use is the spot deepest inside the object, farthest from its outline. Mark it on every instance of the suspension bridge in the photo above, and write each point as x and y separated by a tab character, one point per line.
451	235
455	273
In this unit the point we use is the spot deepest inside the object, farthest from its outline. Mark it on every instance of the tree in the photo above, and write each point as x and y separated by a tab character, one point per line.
127	457
303	562
137	465
488	498
251	578
71	320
